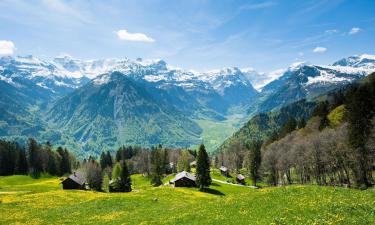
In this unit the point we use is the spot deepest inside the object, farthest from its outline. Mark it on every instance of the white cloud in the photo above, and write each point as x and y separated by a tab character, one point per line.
354	30
7	47
124	35
320	50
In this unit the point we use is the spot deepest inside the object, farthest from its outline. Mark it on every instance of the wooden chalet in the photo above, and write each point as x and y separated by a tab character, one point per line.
77	180
184	179
224	171
240	179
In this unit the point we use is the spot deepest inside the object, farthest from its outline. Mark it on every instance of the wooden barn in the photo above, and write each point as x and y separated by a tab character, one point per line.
240	179
184	179
77	180
224	171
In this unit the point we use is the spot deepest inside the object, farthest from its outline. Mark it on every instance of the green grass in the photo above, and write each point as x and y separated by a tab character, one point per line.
42	201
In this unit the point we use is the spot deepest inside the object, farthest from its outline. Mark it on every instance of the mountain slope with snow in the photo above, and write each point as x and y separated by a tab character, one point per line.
303	80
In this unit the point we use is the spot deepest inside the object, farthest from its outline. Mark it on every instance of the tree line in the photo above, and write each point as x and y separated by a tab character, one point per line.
113	173
34	159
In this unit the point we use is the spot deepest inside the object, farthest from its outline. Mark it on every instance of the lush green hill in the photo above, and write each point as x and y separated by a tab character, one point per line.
24	200
263	125
121	112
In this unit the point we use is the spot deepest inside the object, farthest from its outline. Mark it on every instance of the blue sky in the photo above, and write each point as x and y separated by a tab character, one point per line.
195	34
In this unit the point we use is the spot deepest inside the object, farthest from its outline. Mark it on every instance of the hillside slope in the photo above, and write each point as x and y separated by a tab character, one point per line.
44	201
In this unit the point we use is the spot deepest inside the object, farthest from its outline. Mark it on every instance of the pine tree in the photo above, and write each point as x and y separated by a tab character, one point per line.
68	161
254	161
103	160
52	167
109	159
125	181
359	112
65	163
156	166
21	164
203	178
34	158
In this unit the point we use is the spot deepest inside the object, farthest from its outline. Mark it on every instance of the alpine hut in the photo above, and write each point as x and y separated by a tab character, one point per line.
240	179
224	171
77	180
184	179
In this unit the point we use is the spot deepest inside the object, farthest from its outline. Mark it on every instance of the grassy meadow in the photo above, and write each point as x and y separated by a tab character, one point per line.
42	201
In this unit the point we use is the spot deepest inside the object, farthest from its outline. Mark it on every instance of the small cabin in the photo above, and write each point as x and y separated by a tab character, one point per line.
240	179
77	180
224	171
184	179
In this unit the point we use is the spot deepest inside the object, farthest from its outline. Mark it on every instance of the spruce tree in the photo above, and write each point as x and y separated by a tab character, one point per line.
125	181
359	112
203	177
68	161
34	158
21	164
65	163
52	163
103	160
156	166
109	159
254	161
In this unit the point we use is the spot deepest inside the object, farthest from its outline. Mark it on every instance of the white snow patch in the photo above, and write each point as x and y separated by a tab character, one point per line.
6	79
326	78
102	79
350	70
296	65
154	78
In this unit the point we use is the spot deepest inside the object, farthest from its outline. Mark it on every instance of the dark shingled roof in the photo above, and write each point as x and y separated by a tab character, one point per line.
78	177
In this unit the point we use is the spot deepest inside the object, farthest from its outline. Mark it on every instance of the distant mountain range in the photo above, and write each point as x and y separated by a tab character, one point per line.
97	105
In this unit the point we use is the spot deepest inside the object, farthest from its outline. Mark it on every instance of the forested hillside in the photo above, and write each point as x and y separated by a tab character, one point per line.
334	147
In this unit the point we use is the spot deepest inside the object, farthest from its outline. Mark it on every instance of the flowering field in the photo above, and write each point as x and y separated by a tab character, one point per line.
42	201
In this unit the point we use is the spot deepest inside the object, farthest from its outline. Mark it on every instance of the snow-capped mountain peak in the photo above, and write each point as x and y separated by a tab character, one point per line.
364	61
297	65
